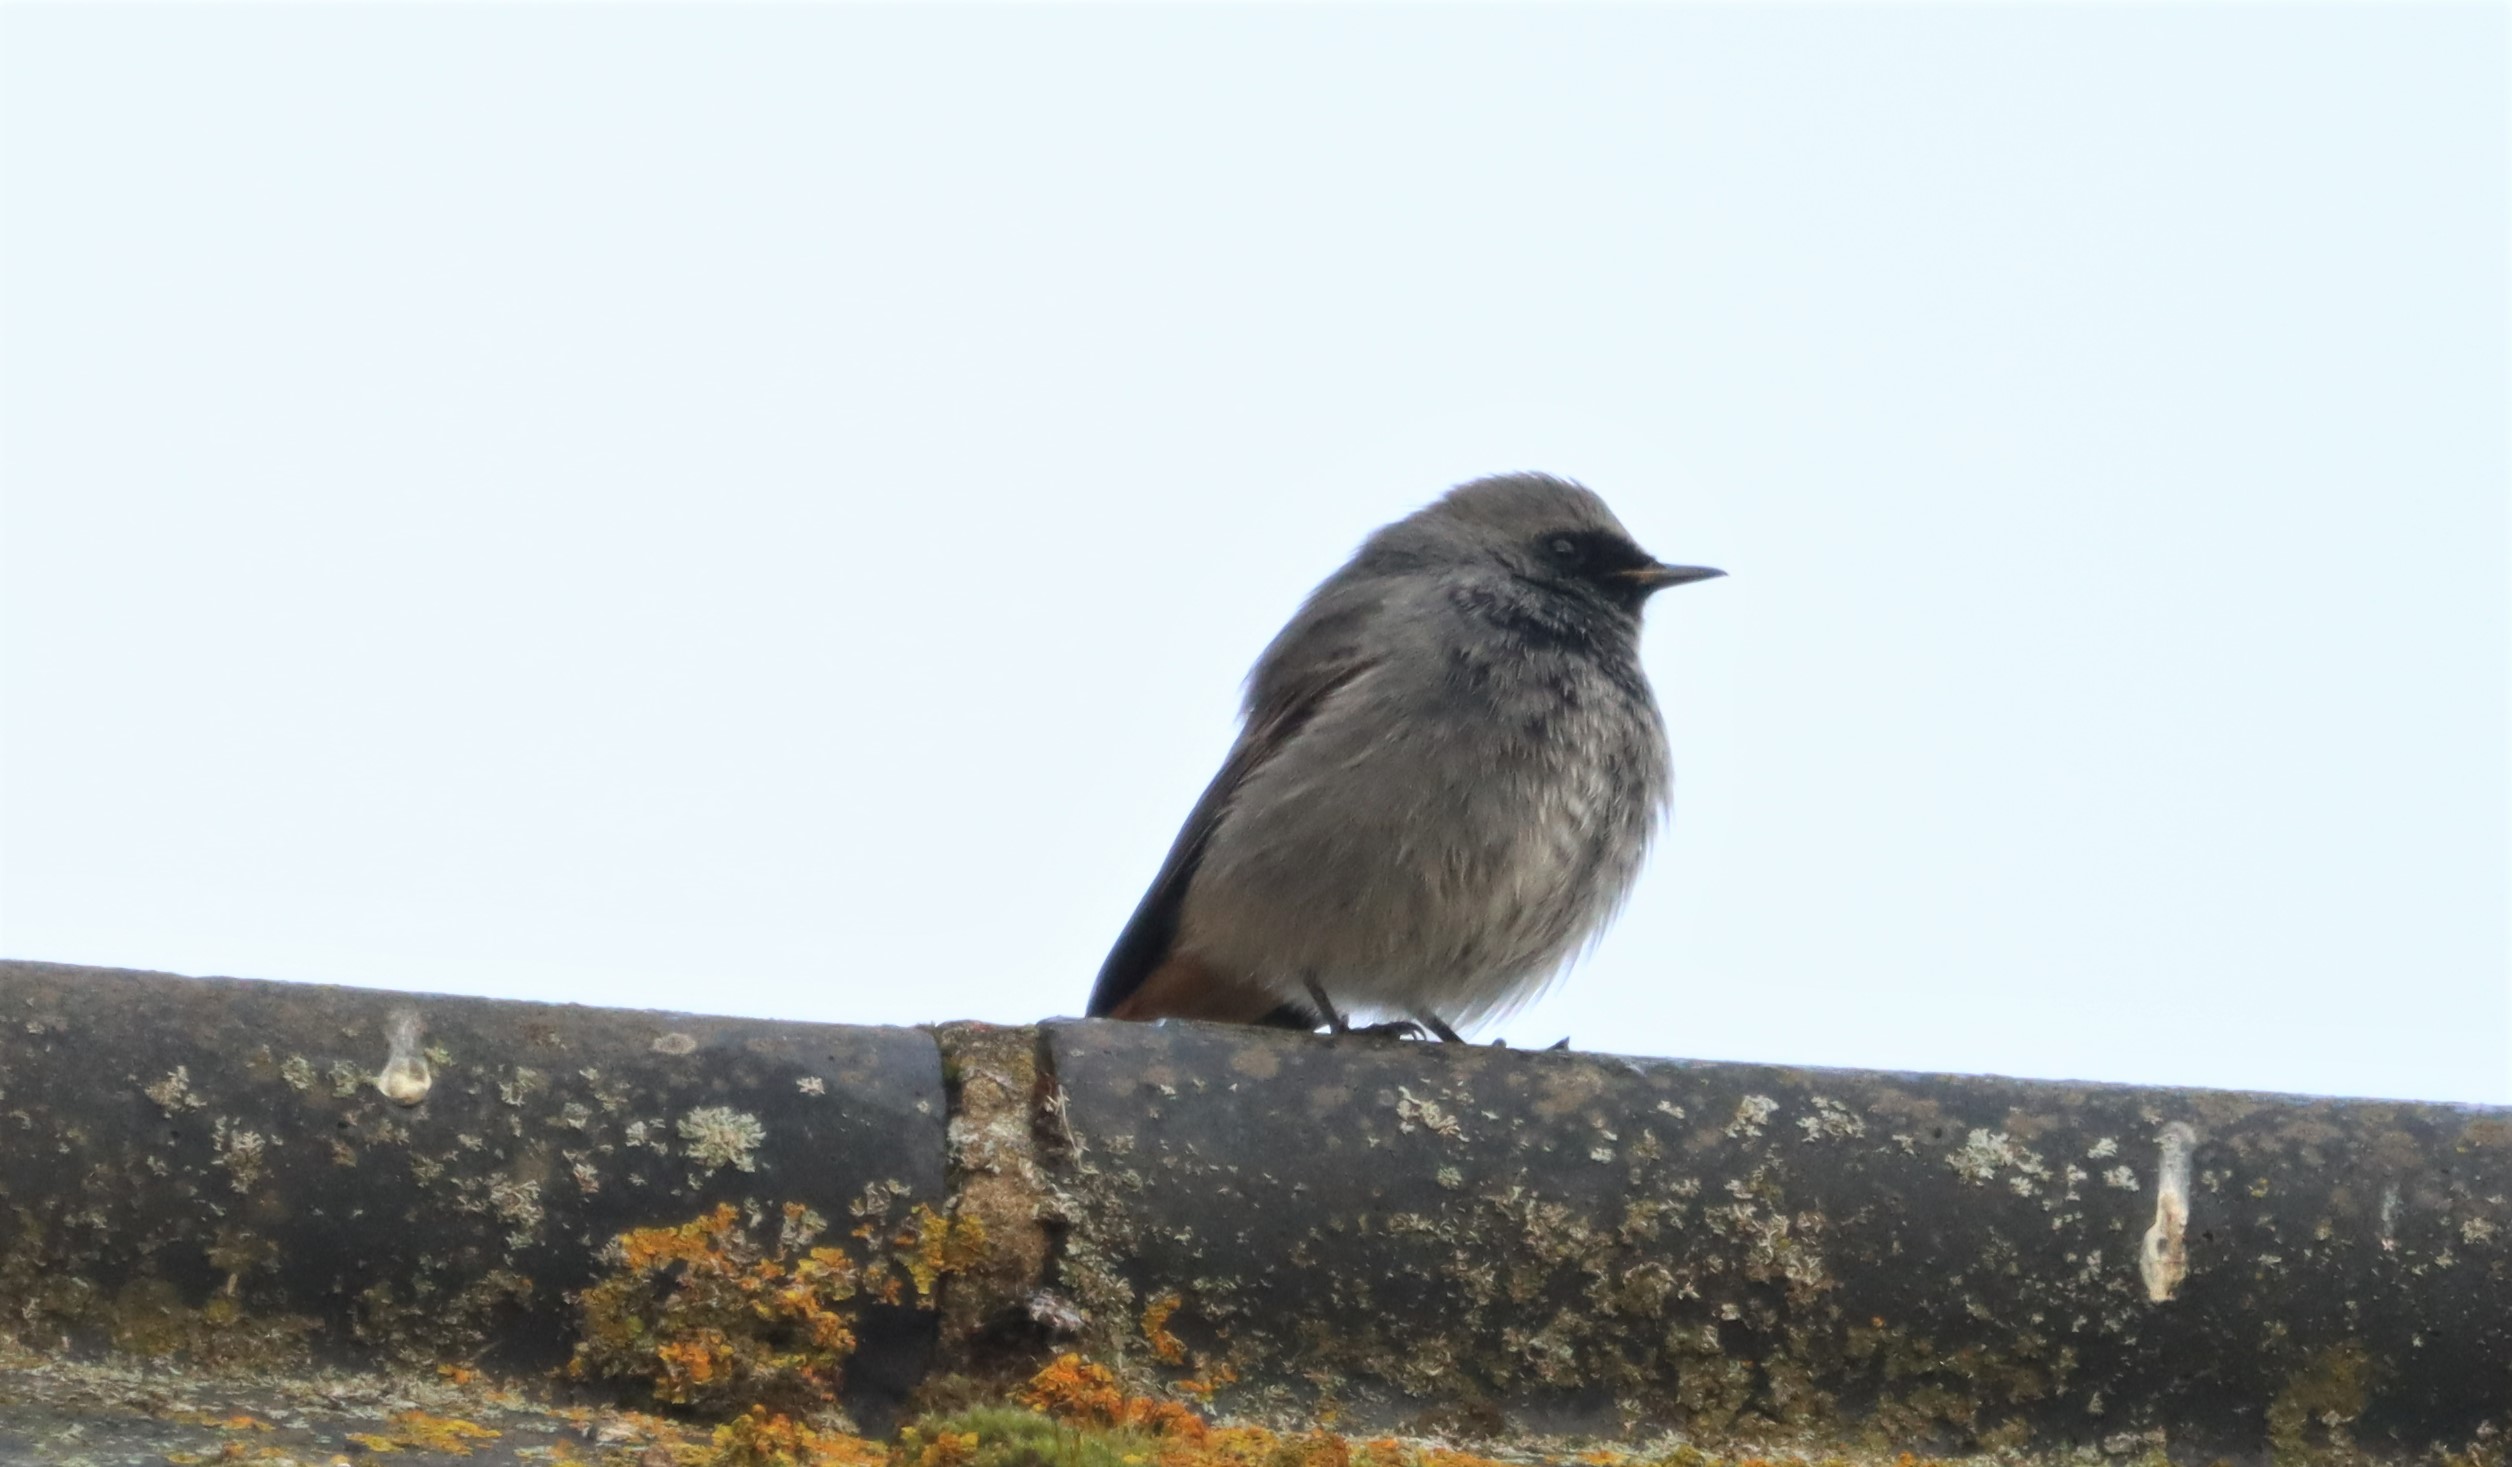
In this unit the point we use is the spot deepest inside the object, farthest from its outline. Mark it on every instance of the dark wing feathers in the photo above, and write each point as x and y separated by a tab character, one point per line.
1151	935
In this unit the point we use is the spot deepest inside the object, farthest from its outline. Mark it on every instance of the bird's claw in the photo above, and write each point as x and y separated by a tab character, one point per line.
1391	1029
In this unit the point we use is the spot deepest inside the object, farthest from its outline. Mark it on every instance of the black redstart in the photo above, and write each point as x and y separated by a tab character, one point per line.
1450	768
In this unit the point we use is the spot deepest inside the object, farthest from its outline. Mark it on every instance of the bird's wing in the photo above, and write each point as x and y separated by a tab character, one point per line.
1149	938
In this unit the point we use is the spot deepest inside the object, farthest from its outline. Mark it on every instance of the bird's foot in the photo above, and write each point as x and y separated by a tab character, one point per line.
1428	1023
1391	1029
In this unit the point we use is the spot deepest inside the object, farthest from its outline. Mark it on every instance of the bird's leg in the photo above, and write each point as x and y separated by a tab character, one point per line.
1325	1005
1438	1026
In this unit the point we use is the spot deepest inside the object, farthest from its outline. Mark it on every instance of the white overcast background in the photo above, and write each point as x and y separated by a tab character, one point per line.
766	510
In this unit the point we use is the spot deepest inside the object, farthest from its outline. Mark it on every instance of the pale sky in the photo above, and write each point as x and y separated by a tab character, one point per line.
765	510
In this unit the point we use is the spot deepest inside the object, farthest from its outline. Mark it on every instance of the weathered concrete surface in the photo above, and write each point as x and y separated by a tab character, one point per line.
1435	1235
215	1191
241	1172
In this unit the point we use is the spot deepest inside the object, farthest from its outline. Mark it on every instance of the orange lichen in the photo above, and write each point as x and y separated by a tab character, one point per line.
718	1319
1156	1317
714	1318
1086	1394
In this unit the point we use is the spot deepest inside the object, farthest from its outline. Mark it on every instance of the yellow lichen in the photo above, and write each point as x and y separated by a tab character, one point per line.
938	1448
418	1431
761	1438
931	1245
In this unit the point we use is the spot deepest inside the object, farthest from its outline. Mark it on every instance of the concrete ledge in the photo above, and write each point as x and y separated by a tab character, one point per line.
225	1169
1532	1249
1427	1235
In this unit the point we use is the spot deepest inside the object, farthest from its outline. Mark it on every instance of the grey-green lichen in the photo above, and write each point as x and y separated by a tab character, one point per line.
718	1136
173	1093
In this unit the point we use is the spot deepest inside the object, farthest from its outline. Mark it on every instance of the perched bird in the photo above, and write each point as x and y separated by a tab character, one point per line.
1449	770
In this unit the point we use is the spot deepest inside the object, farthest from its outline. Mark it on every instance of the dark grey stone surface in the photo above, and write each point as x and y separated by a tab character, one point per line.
1412	1234
204	1162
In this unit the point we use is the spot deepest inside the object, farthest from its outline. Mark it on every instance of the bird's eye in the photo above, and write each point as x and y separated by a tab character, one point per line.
1563	547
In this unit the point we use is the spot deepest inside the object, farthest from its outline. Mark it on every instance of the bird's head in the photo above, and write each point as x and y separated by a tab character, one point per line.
1549	533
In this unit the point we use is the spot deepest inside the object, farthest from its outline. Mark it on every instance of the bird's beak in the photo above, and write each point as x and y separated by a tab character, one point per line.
1655	576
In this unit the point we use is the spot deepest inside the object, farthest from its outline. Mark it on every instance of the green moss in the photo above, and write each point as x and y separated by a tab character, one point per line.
148	1317
2309	1421
1007	1436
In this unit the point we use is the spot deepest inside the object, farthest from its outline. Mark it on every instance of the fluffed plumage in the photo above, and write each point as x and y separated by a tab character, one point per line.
1449	771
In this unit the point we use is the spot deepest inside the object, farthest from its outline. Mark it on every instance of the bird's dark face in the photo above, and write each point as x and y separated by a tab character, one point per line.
1603	564
1549	537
